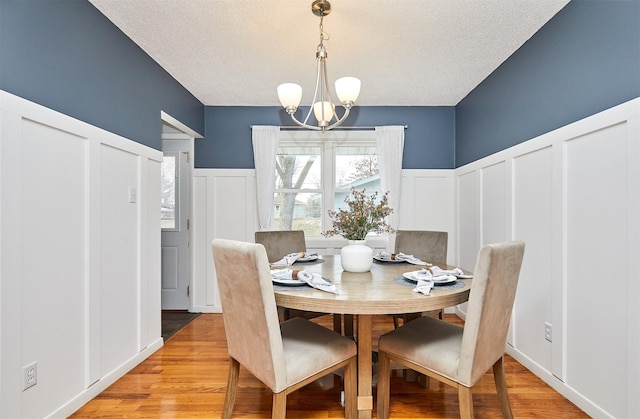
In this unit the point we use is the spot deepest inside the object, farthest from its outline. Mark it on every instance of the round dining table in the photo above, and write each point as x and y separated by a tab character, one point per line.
382	290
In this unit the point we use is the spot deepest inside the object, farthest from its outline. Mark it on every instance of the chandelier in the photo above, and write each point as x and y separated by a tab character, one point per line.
347	88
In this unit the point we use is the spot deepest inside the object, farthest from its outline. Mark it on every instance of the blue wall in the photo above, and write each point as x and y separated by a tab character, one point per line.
429	139
584	60
69	57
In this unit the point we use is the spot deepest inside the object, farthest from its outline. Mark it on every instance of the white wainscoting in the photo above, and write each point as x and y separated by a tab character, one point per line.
224	207
573	195
80	271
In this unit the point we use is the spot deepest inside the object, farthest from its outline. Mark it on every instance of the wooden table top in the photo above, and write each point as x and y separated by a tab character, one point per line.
373	292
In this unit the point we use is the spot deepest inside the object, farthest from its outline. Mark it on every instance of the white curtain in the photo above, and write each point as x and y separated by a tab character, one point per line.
265	147
390	145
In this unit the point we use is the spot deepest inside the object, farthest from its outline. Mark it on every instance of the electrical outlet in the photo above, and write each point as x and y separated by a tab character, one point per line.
29	375
547	331
133	196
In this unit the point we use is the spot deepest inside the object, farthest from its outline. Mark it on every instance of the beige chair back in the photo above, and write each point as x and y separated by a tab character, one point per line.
493	290
249	307
427	245
281	243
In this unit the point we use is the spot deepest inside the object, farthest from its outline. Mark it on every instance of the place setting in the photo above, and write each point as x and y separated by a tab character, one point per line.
425	279
386	257
298	257
286	279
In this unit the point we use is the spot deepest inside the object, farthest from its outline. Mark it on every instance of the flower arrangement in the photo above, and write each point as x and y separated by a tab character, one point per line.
363	216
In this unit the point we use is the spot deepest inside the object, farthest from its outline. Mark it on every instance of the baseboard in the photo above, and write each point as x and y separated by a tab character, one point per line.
206	309
99	386
558	385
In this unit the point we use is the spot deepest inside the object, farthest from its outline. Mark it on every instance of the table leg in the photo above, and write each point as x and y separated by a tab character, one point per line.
365	390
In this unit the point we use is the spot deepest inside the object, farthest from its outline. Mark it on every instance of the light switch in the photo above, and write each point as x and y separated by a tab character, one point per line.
132	195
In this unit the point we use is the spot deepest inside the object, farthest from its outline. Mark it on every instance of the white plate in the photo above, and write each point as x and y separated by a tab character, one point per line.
307	258
465	276
381	259
292	282
412	277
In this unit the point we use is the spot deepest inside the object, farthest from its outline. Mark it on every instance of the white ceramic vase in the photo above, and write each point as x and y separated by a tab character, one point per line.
356	256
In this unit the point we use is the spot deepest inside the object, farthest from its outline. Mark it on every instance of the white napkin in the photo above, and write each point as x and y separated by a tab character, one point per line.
428	276
436	274
282	274
313	280
317	281
401	256
423	287
290	259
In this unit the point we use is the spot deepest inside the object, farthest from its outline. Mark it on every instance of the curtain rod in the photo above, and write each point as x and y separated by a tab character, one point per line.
347	128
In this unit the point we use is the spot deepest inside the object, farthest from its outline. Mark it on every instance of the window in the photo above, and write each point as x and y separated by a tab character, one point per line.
168	192
316	171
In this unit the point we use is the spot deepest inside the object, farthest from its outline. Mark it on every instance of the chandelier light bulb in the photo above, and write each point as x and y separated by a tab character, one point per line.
348	89
323	112
290	95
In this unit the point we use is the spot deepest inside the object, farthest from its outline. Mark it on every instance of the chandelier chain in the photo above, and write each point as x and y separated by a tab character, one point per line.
324	36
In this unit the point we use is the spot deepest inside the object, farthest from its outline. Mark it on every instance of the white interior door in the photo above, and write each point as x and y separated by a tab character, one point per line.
176	209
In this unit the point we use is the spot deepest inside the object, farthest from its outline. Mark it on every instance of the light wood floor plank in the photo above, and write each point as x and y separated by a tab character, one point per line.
187	378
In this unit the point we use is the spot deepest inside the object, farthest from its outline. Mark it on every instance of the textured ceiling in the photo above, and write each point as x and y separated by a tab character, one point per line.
406	52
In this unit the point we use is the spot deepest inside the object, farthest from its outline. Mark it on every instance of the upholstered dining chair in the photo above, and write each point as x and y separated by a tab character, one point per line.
284	356
426	245
281	243
455	355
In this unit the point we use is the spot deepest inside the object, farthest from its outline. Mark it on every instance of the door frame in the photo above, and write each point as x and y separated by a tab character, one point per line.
172	129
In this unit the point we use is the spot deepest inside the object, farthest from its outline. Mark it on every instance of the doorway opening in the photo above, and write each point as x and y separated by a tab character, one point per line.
176	180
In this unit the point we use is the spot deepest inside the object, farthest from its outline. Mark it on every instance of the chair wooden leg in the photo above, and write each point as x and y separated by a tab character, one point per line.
384	378
465	400
396	323
348	325
351	389
279	409
337	323
501	387
232	386
410	376
423	380
283	314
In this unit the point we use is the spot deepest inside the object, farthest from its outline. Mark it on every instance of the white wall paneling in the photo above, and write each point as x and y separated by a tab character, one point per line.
532	207
79	279
468	219
595	246
428	203
573	196
224	207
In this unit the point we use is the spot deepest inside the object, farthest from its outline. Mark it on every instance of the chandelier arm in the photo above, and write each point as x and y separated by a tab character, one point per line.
339	121
328	95
315	93
322	78
304	124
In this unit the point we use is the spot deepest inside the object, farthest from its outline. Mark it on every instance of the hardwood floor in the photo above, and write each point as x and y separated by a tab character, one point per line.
187	377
